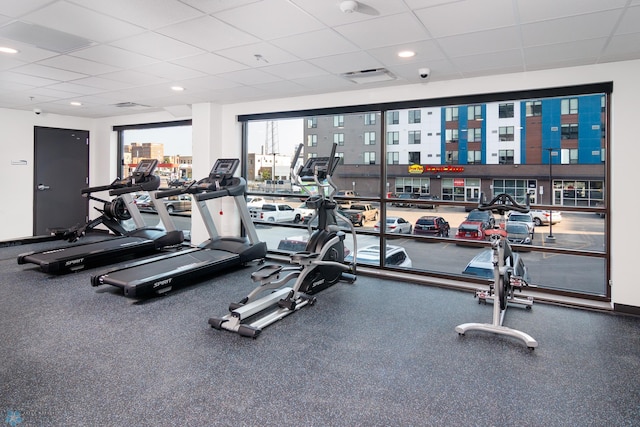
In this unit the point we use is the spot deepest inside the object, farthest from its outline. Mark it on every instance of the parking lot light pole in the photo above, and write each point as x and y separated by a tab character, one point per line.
551	238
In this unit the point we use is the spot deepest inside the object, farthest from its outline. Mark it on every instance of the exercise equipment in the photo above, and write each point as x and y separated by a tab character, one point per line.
318	267
166	272
505	282
140	241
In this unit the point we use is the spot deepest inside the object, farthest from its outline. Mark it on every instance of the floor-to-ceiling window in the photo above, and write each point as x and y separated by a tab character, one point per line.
425	165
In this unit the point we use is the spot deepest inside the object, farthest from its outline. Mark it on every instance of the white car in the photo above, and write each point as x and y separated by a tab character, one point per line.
525	218
303	213
396	224
541	217
255	202
396	256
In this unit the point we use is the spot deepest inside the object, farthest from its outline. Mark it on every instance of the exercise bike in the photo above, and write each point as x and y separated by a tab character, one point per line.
318	267
505	282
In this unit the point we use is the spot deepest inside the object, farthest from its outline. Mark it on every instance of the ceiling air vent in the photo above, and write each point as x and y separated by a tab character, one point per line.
130	105
374	75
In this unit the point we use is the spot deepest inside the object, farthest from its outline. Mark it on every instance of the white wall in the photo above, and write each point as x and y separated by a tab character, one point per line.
217	134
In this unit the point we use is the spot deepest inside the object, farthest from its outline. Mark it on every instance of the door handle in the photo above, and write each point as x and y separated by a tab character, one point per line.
43	187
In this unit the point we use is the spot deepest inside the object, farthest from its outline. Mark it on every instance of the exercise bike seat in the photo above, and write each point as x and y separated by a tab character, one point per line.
266	272
304	257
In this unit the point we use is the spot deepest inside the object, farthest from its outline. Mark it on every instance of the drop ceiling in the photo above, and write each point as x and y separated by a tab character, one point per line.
120	57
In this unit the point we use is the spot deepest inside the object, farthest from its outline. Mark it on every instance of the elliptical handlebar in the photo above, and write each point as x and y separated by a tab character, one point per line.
504	202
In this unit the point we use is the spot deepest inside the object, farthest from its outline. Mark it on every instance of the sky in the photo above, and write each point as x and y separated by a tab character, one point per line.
177	140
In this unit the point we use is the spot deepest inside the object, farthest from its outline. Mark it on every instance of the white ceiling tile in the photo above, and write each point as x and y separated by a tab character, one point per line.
583	50
210	63
347	62
157	46
49	72
65	62
367	34
73	19
427	50
149	14
250	77
170	71
208	33
114	56
294	70
540	10
466	17
315	44
630	22
590	26
268	54
212	6
484	41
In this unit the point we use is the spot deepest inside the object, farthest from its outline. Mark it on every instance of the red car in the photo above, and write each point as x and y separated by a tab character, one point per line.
472	230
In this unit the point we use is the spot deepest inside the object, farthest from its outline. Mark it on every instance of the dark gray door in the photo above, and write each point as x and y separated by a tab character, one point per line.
61	171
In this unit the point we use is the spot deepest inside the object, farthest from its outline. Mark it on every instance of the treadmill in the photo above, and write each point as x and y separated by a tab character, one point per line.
140	241
161	274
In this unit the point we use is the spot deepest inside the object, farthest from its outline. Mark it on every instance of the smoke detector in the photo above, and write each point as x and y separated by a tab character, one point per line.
348	6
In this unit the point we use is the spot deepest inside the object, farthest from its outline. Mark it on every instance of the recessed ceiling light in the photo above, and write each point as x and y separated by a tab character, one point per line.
7	50
177	88
75	103
406	54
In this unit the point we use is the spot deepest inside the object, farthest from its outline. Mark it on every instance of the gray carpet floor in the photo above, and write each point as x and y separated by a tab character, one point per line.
374	353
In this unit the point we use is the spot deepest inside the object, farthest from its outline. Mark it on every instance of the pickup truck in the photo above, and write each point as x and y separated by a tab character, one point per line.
359	213
273	212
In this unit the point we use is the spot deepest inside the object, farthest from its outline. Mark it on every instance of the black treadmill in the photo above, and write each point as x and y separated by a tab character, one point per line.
161	274
140	241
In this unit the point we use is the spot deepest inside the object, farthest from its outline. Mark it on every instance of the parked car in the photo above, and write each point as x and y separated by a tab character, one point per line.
472	230
541	217
525	218
179	203
346	194
475	200
396	256
406	200
273	212
424	197
431	226
143	203
395	224
299	244
518	233
303	213
255	202
483	216
482	266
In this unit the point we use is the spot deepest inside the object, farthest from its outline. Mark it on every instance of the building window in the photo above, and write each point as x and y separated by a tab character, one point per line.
474	157
393	158
414	137
393	138
370	119
311	155
338	138
369	157
312	122
451	114
341	156
474	112
414	116
505	157
338	121
369	138
533	108
474	135
569	156
506	133
312	140
569	131
451	135
451	157
569	106
393	117
414	157
505	111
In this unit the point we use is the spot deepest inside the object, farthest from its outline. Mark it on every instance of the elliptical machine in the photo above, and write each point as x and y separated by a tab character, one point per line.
318	267
505	282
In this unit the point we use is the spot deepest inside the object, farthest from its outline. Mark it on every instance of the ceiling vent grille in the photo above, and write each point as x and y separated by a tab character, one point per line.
130	105
373	75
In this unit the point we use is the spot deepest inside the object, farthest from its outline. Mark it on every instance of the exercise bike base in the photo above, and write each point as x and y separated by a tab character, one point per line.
502	330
